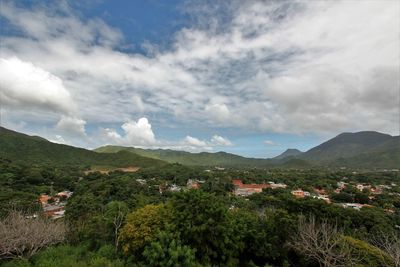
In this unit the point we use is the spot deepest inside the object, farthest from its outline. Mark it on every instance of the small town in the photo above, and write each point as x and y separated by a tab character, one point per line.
53	206
200	133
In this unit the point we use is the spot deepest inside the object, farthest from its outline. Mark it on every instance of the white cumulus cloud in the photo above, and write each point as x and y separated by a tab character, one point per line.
270	143
140	134
302	67
71	125
220	141
22	85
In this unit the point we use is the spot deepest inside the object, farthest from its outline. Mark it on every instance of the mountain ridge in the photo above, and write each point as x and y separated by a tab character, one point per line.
361	150
33	149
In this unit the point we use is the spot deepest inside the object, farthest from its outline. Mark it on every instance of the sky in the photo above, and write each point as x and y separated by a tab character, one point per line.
247	77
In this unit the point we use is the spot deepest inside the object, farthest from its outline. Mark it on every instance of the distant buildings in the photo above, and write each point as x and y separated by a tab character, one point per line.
299	193
277	186
141	181
242	189
192	184
65	194
356	206
174	188
54	207
340	187
362	187
319	194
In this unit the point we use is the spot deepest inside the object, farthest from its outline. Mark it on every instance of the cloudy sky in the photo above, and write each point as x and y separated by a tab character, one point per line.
248	77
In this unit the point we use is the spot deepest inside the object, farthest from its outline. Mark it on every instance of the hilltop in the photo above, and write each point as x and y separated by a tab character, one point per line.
290	152
360	150
192	159
33	149
366	149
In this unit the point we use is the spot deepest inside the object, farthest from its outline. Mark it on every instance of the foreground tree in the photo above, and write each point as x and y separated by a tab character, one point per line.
22	237
115	214
203	223
141	227
322	242
389	243
327	245
168	251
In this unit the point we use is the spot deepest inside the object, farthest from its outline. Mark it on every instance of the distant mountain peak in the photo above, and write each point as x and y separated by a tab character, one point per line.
290	152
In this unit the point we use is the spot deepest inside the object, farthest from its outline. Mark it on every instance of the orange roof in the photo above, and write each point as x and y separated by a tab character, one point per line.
44	198
195	186
238	183
255	186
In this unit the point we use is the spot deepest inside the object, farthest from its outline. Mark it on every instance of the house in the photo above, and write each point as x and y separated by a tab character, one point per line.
361	187
323	197
341	186
277	186
376	190
298	193
141	181
44	198
192	184
65	194
58	214
174	188
247	191
237	182
242	189
53	210
391	211
356	206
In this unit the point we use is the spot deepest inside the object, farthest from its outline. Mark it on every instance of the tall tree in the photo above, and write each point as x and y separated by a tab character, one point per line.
115	214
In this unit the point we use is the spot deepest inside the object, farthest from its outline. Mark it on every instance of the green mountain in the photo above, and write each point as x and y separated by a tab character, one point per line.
289	153
385	155
33	149
193	159
361	149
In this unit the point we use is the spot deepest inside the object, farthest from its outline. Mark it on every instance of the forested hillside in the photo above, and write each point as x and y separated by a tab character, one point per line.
36	150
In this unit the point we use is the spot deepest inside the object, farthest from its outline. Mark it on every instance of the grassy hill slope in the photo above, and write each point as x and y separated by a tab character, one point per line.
32	149
347	145
192	159
359	150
